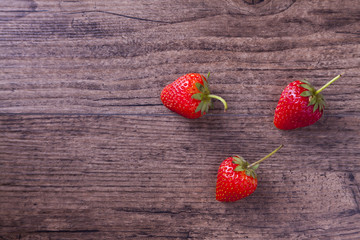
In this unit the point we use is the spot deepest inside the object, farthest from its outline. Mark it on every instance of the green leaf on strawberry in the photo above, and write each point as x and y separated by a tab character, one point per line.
316	99
205	97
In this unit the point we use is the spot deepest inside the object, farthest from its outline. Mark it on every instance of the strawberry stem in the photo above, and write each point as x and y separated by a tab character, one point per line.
253	164
219	98
326	85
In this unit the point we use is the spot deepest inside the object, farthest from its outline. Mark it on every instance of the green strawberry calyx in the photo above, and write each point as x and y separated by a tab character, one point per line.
205	97
249	169
315	98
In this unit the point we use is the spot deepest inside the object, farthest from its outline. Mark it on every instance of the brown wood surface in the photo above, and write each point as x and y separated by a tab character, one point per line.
87	150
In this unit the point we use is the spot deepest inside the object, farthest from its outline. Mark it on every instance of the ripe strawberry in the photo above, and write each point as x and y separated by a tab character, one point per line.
300	105
189	96
237	179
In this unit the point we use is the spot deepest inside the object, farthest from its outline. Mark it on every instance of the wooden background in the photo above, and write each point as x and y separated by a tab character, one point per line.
87	150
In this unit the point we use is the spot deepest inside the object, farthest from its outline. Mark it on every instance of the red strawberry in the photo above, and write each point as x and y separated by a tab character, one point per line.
237	179
300	105
189	96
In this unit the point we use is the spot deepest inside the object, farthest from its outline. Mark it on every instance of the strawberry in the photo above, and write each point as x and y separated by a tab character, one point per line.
189	96
300	105
237	179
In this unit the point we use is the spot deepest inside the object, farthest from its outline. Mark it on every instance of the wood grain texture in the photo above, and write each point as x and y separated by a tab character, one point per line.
87	150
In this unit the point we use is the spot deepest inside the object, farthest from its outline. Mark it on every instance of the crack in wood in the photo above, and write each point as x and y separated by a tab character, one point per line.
122	15
66	231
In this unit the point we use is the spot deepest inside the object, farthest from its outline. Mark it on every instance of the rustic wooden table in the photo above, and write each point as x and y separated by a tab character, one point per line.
88	151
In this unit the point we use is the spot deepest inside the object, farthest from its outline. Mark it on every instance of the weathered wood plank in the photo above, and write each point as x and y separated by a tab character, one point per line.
143	177
67	61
